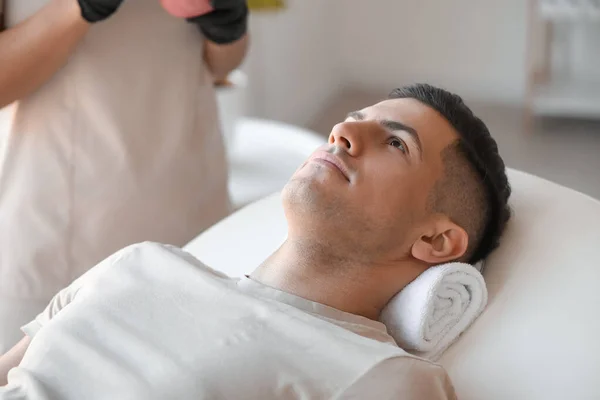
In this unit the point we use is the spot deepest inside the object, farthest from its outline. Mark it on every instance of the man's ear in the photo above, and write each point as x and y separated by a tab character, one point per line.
446	242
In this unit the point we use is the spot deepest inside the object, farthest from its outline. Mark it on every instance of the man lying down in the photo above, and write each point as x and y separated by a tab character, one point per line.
403	185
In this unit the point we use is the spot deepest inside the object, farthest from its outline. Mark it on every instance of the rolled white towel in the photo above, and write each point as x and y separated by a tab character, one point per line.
430	313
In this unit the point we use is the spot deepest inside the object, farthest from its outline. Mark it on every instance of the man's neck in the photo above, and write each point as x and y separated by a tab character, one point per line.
310	271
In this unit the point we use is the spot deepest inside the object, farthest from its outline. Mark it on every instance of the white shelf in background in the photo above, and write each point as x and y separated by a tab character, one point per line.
567	99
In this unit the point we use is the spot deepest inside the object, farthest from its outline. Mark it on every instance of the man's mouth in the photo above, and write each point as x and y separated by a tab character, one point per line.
331	161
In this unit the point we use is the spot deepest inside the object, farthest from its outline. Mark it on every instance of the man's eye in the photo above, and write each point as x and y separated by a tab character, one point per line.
398	143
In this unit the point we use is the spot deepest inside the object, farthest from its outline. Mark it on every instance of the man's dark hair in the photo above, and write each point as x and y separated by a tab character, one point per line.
474	191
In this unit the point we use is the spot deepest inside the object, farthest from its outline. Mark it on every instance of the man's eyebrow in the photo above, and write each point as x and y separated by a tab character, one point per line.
392	126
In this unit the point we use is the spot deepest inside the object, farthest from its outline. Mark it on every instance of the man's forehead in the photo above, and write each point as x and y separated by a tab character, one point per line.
399	108
430	124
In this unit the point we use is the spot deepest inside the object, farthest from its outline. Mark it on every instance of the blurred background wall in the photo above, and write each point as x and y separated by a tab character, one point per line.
293	62
312	51
475	47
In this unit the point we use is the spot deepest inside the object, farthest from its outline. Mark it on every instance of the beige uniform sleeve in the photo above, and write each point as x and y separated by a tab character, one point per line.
66	296
403	378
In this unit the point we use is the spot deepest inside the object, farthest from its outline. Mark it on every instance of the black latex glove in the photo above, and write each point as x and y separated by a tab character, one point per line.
98	10
226	23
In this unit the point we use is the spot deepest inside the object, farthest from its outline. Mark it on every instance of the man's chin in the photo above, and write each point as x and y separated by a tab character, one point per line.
305	193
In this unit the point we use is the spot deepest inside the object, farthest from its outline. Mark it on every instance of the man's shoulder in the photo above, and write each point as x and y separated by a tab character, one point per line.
159	260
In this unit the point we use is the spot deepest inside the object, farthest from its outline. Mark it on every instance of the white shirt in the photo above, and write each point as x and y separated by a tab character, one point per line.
121	145
152	322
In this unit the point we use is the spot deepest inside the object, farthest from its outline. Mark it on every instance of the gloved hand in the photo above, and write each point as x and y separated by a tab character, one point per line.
98	10
226	23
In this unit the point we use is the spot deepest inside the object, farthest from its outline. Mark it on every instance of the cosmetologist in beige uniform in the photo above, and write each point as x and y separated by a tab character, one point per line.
110	137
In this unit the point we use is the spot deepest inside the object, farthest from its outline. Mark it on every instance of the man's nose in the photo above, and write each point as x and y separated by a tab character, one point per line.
347	135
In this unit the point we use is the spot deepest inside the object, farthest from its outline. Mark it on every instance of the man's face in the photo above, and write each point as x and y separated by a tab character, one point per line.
365	193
